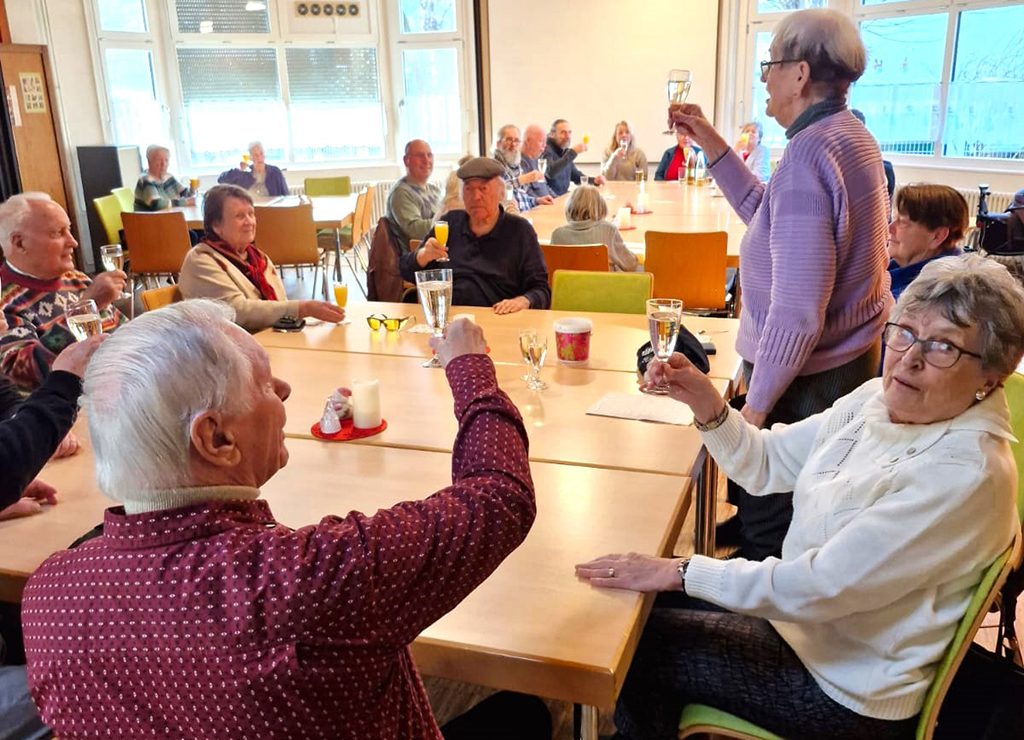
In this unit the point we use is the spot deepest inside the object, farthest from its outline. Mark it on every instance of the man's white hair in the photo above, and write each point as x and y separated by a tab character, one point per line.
13	212
501	133
154	148
148	382
255	143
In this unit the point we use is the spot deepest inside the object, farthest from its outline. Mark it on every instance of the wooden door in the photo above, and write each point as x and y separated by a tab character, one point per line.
24	69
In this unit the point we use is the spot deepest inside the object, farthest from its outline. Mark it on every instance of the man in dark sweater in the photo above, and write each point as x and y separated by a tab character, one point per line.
30	432
495	257
561	158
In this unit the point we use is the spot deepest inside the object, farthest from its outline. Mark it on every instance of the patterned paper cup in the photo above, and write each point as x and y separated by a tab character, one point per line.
572	340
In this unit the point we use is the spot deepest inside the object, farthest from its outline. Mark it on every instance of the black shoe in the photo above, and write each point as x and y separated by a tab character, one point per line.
727	533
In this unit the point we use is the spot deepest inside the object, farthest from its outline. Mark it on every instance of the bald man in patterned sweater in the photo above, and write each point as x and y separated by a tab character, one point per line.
197	615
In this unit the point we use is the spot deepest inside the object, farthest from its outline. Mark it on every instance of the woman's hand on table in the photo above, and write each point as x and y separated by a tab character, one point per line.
687	384
321	310
461	337
632	572
690	119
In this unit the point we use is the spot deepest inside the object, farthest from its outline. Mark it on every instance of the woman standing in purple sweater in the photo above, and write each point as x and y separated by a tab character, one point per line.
813	260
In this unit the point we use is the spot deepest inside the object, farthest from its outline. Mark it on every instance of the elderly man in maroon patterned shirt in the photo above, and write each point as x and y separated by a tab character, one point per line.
196	614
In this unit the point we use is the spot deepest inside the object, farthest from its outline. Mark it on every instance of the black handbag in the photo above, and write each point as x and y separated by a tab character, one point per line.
986	699
686	343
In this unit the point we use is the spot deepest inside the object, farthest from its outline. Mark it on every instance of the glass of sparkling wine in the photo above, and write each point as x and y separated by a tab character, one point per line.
441	234
435	289
678	88
534	349
663	318
542	165
113	259
83	319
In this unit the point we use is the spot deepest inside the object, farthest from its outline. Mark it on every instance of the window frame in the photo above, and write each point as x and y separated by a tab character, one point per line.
163	40
751	23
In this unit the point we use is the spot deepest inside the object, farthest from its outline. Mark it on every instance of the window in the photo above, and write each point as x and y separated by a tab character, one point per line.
426	16
944	77
900	93
432	110
135	110
222	16
125	16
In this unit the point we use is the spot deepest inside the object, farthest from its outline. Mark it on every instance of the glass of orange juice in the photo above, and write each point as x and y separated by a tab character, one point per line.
586	139
246	158
340	294
441	234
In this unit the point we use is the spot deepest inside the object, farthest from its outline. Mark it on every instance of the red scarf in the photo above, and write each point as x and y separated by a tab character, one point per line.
254	267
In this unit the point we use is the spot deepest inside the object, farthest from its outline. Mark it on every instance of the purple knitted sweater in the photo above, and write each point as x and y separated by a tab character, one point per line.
813	261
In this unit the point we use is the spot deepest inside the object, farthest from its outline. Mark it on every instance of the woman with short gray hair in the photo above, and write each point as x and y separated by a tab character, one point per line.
813	260
905	494
586	211
755	154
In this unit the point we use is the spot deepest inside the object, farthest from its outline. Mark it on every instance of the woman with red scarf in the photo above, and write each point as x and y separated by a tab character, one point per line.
227	266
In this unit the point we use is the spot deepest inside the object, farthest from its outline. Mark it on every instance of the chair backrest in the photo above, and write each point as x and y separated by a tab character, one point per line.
603	292
126	197
357	218
984	595
109	210
287	234
688	266
383	280
593	257
371	193
414	244
160	297
158	242
315	186
1015	399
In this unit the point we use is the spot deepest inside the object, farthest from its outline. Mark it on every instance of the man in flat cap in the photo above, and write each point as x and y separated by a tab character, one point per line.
495	258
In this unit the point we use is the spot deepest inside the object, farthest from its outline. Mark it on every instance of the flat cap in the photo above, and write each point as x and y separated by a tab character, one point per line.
482	167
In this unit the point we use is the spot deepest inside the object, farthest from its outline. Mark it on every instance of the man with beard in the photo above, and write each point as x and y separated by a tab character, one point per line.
561	158
506	151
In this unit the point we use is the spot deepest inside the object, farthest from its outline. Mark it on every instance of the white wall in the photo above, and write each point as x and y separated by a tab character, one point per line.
595	62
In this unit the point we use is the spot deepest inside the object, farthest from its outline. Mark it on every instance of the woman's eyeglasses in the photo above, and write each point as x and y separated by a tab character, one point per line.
376	321
936	352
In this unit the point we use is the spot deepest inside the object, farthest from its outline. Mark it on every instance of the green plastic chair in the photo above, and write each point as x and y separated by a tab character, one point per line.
318	186
126	197
1015	398
601	292
702	719
108	208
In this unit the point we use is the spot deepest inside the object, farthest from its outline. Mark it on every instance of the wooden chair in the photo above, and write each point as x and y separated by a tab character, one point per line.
689	266
593	257
109	209
288	236
158	242
126	197
317	186
602	292
160	297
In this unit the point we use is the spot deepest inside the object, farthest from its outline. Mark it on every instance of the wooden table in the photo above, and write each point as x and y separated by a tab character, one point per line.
613	346
329	212
674	207
530	627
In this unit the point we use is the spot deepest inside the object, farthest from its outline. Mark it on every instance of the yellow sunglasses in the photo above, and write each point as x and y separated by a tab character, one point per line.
376	322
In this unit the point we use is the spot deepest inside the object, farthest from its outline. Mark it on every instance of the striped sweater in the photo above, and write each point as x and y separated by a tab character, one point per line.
813	261
37	331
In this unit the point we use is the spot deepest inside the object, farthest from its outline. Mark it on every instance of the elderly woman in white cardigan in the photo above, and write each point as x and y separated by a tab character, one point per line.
227	266
904	493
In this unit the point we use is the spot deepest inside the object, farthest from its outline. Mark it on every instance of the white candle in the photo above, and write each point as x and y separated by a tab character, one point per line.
366	404
624	218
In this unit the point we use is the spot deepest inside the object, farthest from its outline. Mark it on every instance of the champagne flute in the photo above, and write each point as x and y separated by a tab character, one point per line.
534	349
83	319
584	180
435	290
542	165
441	234
112	257
664	316
678	88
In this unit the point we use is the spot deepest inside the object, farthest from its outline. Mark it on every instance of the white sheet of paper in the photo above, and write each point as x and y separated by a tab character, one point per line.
642	407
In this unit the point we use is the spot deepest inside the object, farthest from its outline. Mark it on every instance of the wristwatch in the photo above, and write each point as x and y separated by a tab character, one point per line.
682	574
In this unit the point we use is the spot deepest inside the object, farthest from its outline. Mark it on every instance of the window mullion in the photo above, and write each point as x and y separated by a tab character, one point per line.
286	98
947	72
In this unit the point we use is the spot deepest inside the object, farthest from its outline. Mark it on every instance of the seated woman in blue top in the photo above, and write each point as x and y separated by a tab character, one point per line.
930	220
259	178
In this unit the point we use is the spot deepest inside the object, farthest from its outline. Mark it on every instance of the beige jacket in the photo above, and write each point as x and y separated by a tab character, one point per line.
207	274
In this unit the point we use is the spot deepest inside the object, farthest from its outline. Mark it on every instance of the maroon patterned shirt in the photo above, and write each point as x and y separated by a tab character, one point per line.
214	621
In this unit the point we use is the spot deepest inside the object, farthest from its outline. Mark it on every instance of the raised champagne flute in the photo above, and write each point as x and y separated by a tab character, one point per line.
664	316
112	256
435	290
542	165
83	318
678	88
441	234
